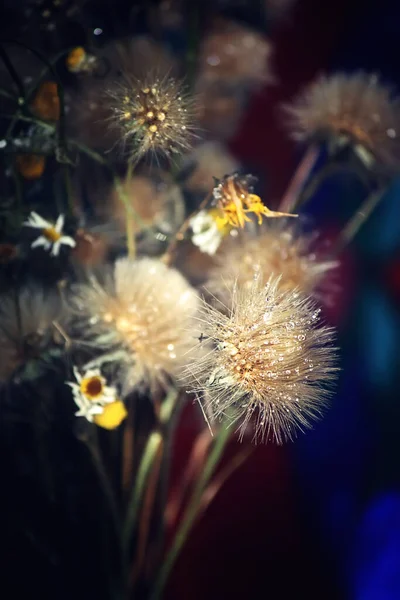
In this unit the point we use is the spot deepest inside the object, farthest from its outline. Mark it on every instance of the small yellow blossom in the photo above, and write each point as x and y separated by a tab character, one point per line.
234	198
112	415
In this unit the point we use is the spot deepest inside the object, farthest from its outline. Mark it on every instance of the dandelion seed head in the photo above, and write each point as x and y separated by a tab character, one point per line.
26	328
269	357
279	250
355	106
144	311
153	116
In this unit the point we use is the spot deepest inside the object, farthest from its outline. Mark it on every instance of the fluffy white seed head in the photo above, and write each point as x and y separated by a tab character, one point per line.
153	116
279	250
142	315
269	358
355	106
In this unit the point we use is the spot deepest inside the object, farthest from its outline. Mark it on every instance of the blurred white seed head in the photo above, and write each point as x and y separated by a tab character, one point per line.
356	107
279	250
269	358
153	116
26	328
142	316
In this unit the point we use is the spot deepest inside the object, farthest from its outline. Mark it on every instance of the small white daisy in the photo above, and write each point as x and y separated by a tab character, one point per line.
87	409
91	393
51	233
206	234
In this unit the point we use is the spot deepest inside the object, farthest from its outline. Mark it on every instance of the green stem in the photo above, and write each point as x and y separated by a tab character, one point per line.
115	583
189	519
130	230
146	463
358	219
104	481
14	75
168	405
68	189
18	194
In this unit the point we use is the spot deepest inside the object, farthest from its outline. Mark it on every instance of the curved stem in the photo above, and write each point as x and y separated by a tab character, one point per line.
13	73
358	219
299	179
189	519
150	452
149	500
168	255
130	230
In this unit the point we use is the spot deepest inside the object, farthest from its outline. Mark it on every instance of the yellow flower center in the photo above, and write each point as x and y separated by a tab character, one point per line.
92	387
112	415
223	226
51	234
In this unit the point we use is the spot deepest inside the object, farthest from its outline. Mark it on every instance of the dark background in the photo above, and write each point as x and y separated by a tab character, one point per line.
319	518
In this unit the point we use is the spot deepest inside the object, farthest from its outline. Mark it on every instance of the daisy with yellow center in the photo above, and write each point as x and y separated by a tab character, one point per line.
234	198
97	401
51	237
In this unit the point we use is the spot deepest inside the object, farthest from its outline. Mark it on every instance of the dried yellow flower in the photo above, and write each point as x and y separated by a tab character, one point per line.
234	198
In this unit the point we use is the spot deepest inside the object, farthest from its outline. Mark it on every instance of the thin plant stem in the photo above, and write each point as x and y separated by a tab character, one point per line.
18	193
14	75
199	450
194	39
299	179
68	189
149	501
149	454
130	230
93	447
219	444
169	254
88	152
116	586
127	453
329	169
354	224
168	416
214	487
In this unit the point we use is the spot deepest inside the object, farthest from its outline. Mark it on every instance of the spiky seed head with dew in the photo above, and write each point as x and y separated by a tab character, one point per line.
280	250
154	116
269	358
143	316
27	328
356	107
